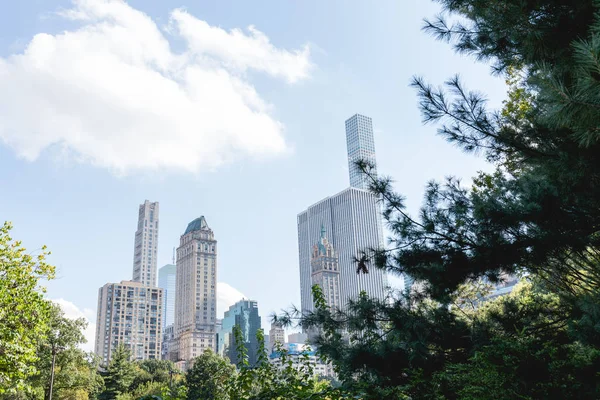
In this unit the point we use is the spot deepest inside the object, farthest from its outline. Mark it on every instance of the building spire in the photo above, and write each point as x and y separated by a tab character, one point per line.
322	231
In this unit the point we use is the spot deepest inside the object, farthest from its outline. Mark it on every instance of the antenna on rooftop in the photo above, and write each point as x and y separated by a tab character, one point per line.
173	255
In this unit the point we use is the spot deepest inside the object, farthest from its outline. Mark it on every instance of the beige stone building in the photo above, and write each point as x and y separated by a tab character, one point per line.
196	293
276	335
326	271
129	313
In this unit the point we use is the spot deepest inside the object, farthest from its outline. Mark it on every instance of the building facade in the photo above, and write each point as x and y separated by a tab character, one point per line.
297	337
167	276
244	314
168	337
195	293
361	146
146	244
276	335
326	271
352	220
129	313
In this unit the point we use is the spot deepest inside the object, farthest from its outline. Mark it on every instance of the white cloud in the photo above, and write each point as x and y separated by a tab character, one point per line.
113	92
227	295
74	312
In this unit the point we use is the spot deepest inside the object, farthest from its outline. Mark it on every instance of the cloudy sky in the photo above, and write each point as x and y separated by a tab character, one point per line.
233	110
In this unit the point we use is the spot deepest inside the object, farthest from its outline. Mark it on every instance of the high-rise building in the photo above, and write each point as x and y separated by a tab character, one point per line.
167	276
361	146
326	271
276	335
146	244
244	314
168	337
297	337
352	219
195	292
129	313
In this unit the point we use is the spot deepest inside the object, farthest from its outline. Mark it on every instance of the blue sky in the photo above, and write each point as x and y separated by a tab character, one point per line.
105	104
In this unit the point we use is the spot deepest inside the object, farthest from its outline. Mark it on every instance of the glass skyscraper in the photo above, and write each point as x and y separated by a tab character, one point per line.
166	280
361	146
352	219
244	314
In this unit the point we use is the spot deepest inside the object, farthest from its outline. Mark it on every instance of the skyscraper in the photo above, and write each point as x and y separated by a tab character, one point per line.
146	244
195	293
352	220
244	314
129	313
326	270
166	280
361	146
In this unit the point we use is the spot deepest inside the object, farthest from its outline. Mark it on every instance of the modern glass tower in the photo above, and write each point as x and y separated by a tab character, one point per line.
146	245
244	314
352	219
166	280
361	146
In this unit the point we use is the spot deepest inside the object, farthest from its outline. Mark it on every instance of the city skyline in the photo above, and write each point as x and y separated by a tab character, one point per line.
86	176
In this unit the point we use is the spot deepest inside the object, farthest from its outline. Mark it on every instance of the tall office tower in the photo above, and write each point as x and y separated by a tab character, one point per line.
276	335
166	280
326	270
244	314
361	146
146	244
129	313
195	293
353	220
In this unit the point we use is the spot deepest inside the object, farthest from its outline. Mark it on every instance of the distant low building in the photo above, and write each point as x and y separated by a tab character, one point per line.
297	352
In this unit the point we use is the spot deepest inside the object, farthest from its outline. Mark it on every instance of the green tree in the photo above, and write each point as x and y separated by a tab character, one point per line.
75	371
24	312
210	377
119	374
152	372
289	379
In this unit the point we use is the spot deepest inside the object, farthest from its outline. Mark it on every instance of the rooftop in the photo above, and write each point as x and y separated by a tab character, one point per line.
197	225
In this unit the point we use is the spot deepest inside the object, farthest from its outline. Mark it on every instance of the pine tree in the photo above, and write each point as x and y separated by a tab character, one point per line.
119	374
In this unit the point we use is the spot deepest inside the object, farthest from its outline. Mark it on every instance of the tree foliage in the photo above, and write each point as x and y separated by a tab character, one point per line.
119	374
24	312
210	377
